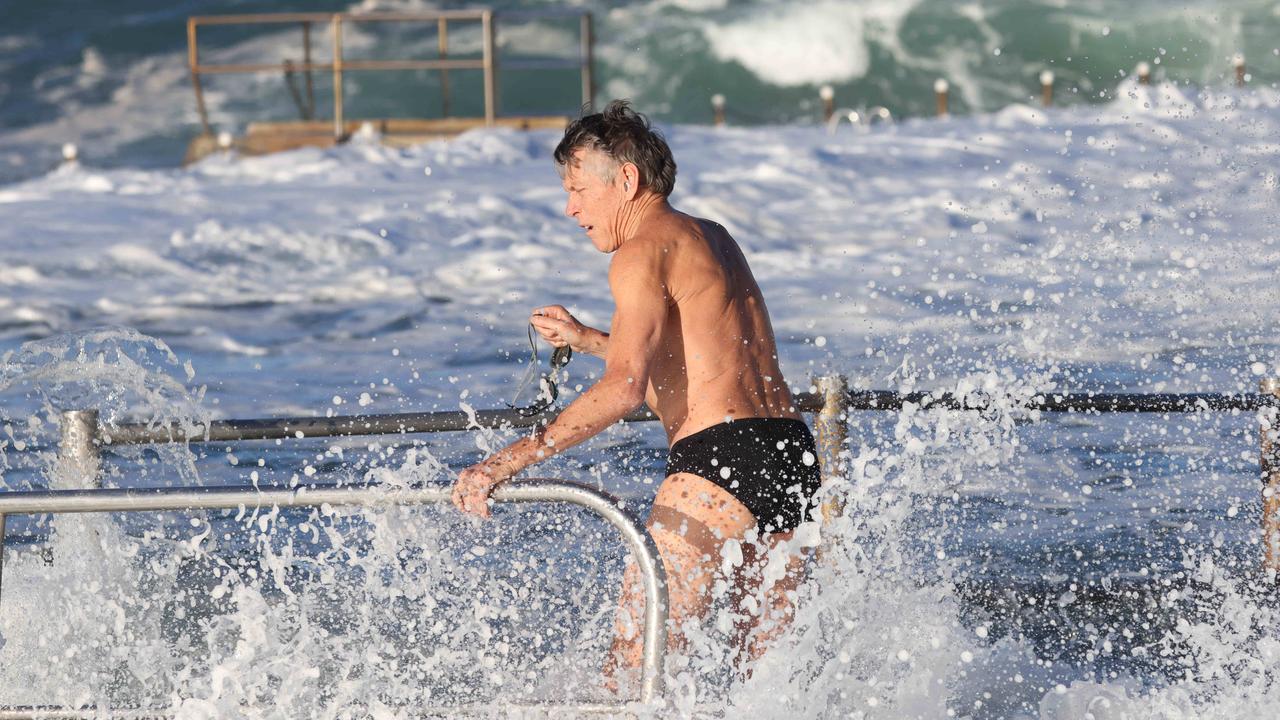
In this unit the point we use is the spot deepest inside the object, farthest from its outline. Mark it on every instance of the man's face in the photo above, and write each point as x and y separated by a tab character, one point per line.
594	202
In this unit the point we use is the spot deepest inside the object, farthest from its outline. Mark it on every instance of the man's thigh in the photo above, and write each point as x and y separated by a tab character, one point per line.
703	512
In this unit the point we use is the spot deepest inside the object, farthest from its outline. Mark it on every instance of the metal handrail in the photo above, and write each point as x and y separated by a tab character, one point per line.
338	65
456	420
1078	402
640	543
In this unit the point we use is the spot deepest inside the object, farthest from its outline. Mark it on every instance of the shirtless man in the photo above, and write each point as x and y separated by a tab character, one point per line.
691	337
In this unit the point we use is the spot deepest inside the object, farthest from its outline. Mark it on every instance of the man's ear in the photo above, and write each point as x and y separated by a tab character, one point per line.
630	175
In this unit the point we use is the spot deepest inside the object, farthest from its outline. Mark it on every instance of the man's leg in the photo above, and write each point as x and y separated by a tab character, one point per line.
691	520
765	616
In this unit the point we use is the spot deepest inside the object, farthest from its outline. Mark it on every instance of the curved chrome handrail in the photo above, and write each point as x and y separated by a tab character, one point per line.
638	540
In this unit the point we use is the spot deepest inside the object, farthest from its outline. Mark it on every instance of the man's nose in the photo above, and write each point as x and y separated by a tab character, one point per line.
570	209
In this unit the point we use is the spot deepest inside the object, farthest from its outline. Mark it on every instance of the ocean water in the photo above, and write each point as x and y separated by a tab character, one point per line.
1003	564
111	77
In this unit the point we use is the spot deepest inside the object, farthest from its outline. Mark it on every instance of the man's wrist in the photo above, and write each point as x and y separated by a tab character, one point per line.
598	342
499	469
503	465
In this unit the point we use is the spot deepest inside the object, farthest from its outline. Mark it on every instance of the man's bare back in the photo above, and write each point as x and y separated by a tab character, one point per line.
717	359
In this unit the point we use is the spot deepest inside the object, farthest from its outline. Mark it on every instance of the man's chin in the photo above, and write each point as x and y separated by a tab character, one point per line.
604	246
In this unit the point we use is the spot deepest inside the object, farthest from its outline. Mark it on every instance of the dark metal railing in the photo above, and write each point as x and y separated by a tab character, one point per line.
282	428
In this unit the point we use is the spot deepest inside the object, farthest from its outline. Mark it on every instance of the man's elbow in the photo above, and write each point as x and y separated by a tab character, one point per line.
631	399
629	392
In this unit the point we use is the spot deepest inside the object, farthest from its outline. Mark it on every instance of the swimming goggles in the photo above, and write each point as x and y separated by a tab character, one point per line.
549	392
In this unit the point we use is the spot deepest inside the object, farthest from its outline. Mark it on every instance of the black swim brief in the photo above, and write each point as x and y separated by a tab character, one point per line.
768	464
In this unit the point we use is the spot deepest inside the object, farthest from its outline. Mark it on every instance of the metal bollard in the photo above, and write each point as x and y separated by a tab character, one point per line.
1144	73
1241	75
70	153
1270	465
1046	87
832	424
79	458
717	107
225	141
828	95
940	89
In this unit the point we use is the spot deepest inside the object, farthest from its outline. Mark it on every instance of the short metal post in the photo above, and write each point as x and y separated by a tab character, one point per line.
588	62
490	69
717	109
1144	73
339	127
828	96
1241	74
193	60
941	89
306	60
443	45
1046	88
78	455
1270	465
832	423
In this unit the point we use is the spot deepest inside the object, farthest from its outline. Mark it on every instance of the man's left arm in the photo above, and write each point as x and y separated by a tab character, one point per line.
639	315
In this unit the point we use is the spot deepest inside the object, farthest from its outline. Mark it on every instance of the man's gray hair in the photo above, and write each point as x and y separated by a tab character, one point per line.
625	136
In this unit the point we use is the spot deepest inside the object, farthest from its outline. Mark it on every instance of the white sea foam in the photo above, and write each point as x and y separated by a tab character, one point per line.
822	43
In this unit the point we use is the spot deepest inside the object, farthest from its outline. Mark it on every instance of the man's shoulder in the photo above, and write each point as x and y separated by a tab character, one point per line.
672	234
635	260
648	247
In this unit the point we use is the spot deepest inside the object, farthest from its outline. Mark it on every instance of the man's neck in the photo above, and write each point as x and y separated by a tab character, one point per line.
634	214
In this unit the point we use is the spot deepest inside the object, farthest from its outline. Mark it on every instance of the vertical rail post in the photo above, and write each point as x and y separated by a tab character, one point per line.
1270	466
339	127
1046	88
490	81
1241	74
941	88
306	60
832	424
78	455
588	60
443	44
828	96
193	60
1144	73
4	521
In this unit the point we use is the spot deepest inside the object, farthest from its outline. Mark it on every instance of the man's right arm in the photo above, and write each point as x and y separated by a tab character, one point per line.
637	331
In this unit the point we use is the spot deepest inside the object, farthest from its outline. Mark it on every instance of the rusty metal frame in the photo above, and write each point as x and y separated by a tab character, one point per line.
488	62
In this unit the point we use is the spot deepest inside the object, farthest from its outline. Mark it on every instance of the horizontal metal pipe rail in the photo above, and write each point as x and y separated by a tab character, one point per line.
1070	402
504	710
346	65
638	540
857	400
